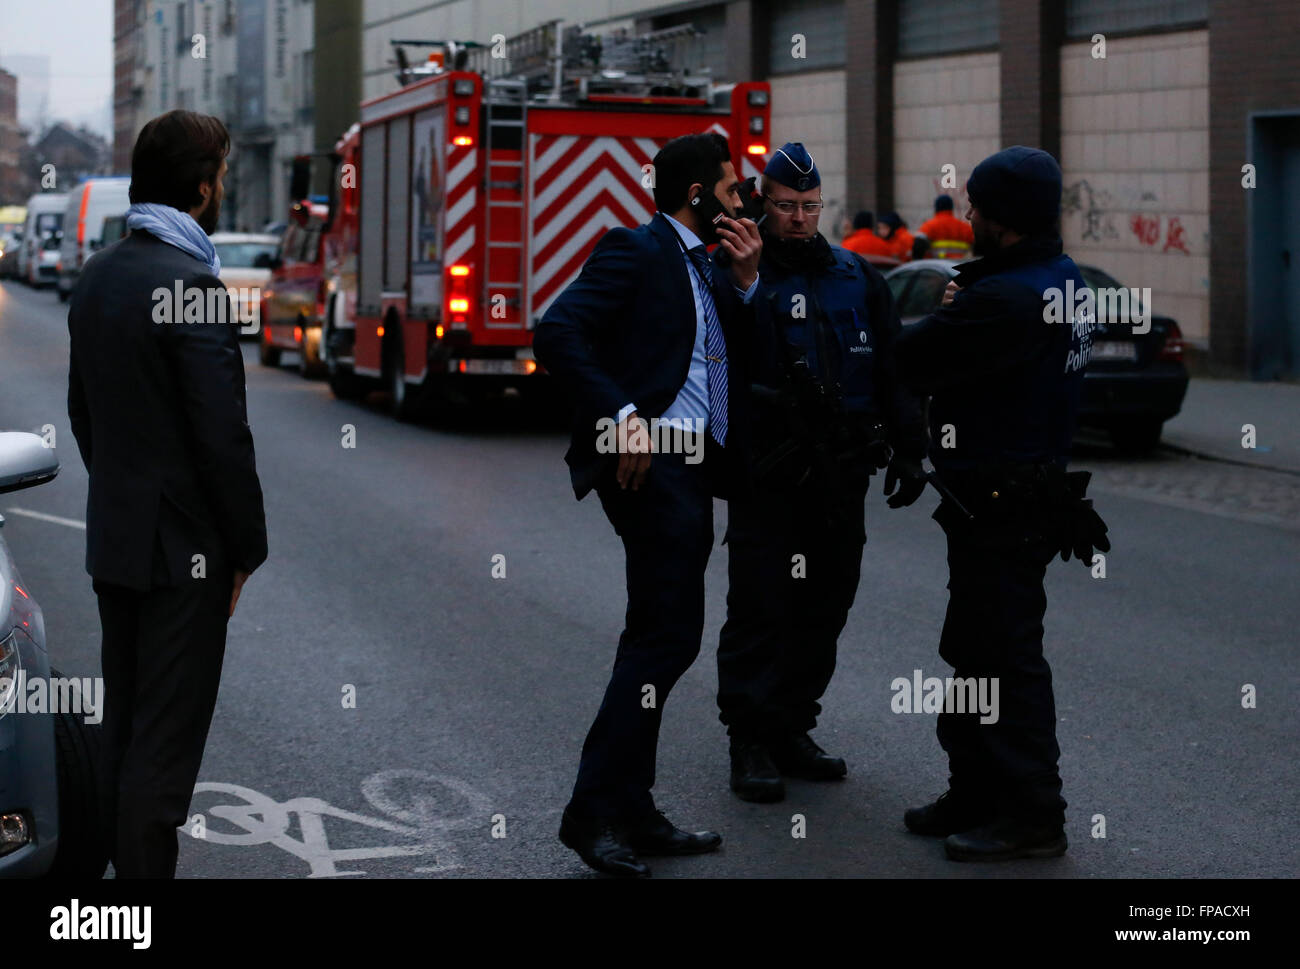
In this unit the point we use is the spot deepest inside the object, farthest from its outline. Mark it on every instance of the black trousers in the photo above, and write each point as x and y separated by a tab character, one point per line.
776	652
162	656
994	628
667	532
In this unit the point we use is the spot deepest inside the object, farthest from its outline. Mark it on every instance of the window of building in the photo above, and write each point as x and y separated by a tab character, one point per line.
805	35
927	27
1083	18
306	85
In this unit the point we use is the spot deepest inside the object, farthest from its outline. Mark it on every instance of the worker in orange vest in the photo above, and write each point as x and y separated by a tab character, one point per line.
863	240
945	225
893	230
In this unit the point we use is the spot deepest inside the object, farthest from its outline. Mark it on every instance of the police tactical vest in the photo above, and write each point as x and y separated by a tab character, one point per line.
822	316
1027	413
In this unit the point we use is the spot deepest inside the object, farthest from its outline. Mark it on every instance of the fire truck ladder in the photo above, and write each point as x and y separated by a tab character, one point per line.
510	94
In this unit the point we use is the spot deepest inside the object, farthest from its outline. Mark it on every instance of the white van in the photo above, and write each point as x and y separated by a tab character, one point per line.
37	260
89	204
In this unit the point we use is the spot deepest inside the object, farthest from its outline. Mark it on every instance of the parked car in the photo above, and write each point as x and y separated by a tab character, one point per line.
13	218
44	222
43	267
297	295
1134	382
11	243
89	204
246	260
49	808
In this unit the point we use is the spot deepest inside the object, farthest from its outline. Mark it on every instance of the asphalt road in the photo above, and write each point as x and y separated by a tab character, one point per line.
473	692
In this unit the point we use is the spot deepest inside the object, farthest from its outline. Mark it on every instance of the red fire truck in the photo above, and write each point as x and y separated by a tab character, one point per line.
481	186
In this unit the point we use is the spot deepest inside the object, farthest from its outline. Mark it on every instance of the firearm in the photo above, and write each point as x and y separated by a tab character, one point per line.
821	439
937	484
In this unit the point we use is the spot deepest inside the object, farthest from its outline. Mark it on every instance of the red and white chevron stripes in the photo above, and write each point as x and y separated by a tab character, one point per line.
461	202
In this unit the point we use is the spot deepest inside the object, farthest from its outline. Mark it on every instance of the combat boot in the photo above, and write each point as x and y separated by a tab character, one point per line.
799	756
950	814
1007	838
753	775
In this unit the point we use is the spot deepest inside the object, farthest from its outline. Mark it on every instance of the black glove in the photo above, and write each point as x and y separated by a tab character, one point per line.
909	476
1085	531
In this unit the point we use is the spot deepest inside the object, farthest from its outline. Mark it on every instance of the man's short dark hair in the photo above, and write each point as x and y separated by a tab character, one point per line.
864	220
683	162
173	154
943	203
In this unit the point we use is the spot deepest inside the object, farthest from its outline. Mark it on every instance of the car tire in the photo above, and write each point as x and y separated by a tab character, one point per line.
402	394
82	850
1136	437
267	354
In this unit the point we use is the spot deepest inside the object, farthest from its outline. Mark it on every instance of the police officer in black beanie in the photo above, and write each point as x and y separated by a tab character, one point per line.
1004	375
828	415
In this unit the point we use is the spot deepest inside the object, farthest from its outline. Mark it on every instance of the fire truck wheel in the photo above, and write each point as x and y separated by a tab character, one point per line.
267	354
401	394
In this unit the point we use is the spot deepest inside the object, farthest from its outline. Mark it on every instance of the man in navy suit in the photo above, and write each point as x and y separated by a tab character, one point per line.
653	328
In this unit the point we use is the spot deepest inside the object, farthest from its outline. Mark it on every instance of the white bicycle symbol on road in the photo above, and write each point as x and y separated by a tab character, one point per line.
408	796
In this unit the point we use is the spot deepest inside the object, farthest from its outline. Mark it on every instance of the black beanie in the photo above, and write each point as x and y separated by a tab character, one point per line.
1019	187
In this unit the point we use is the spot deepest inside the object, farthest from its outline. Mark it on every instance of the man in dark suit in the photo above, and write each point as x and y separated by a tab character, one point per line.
652	329
174	517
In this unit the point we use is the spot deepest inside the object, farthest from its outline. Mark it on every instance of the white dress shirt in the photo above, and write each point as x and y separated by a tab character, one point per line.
690	410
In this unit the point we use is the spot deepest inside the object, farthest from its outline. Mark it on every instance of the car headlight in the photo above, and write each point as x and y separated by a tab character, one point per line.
9	666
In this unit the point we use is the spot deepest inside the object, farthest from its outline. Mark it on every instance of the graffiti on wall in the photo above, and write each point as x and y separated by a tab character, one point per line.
1146	226
1097	209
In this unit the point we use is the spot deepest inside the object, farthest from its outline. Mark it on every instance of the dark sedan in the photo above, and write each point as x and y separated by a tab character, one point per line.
1134	382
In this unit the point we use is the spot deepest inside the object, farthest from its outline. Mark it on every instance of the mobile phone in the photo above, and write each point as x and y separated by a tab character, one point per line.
710	209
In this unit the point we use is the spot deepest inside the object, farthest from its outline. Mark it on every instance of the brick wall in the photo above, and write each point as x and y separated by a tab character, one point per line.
810	108
1135	154
945	112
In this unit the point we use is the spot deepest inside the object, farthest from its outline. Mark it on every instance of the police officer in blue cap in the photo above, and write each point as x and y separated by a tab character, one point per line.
829	413
1004	374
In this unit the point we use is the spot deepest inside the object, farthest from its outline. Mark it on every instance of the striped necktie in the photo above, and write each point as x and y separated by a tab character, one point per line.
715	347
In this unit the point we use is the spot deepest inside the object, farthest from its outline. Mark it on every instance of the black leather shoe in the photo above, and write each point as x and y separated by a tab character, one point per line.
950	814
659	836
798	756
602	845
753	775
1005	839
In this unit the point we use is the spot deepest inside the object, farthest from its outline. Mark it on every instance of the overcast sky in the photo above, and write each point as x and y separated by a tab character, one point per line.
77	37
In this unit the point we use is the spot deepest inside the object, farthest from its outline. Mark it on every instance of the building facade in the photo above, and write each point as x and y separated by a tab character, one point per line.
1163	114
11	141
249	62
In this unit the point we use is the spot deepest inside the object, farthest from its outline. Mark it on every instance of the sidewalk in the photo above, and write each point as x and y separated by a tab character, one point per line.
1214	411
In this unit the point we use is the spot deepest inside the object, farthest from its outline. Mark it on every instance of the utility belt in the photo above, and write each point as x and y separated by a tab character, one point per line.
994	488
1023	504
832	450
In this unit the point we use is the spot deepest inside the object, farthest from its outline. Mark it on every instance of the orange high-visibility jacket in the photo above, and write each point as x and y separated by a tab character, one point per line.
945	225
865	242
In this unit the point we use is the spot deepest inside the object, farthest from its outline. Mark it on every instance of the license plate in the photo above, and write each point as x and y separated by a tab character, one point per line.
494	366
1114	350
